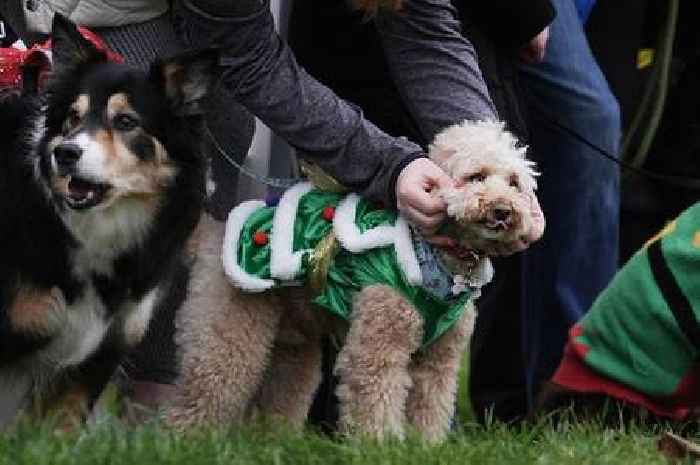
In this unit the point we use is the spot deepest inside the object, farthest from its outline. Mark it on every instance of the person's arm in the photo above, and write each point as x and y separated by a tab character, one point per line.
436	70
433	65
260	69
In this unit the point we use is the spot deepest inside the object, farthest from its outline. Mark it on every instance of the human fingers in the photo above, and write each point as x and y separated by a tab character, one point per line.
423	173
414	195
427	224
424	202
534	51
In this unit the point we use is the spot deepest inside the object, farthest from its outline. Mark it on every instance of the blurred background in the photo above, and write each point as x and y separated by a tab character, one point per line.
650	54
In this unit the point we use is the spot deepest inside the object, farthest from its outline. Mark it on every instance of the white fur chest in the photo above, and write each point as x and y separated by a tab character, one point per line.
105	234
86	323
83	326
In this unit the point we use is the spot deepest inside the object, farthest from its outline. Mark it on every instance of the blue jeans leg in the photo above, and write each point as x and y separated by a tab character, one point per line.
579	192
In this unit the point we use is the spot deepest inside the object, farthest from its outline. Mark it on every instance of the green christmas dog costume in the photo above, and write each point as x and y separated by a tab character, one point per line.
641	339
339	244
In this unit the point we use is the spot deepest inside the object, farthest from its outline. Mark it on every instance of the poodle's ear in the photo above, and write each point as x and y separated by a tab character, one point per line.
529	176
186	79
68	46
440	155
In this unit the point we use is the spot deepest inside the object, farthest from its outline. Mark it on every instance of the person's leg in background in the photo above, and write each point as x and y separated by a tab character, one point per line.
496	376
579	192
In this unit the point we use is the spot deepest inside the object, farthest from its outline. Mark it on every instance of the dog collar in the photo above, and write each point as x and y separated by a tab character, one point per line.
440	281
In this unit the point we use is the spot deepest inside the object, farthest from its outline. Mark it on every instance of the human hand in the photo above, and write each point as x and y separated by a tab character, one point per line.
533	51
415	198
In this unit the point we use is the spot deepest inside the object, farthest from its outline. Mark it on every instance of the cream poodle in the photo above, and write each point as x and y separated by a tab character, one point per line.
400	310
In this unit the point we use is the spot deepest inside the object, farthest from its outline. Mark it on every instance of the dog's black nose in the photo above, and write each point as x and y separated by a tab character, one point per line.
67	154
501	214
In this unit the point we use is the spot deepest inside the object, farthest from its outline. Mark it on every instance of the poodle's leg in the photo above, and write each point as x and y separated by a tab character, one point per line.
291	382
434	372
373	364
224	338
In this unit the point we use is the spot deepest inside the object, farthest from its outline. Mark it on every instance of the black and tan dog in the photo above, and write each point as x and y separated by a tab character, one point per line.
101	184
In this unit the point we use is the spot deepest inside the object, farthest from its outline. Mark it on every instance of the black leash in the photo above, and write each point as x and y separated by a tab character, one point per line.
678	181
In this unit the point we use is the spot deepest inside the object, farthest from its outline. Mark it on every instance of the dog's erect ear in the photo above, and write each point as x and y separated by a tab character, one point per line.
186	78
68	46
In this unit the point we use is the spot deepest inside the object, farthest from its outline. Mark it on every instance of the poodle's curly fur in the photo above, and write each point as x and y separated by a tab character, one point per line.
245	354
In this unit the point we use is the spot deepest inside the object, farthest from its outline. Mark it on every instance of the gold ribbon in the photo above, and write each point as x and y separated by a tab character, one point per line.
320	179
320	262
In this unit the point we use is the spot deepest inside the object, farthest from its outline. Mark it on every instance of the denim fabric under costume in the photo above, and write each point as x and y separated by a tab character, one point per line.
579	192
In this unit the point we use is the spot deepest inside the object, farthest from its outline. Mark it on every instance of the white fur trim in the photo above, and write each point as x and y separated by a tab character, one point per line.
399	235
284	262
349	235
238	276
405	253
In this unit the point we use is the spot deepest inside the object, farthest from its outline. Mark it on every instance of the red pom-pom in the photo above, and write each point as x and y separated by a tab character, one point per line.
260	238
328	213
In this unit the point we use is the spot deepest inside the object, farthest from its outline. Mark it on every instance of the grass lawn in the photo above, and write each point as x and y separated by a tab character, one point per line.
568	443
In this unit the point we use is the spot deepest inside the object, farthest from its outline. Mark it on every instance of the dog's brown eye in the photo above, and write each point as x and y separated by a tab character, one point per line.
125	122
477	177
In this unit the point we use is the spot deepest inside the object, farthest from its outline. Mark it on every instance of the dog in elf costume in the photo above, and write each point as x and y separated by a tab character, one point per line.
639	343
320	261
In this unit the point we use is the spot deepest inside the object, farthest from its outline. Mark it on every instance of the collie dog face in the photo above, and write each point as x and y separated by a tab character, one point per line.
107	125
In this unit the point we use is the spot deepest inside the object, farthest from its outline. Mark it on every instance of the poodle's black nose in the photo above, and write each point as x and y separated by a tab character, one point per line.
67	155
501	214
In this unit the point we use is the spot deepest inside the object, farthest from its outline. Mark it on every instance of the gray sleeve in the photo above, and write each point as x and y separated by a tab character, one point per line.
261	71
433	65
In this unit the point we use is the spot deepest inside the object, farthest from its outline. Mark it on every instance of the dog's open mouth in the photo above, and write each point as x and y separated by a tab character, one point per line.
495	225
82	193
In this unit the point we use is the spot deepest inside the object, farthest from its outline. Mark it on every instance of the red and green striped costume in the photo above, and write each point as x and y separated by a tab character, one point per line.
641	339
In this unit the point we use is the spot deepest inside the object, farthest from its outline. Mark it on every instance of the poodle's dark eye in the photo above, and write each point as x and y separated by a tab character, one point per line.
124	122
514	182
476	177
